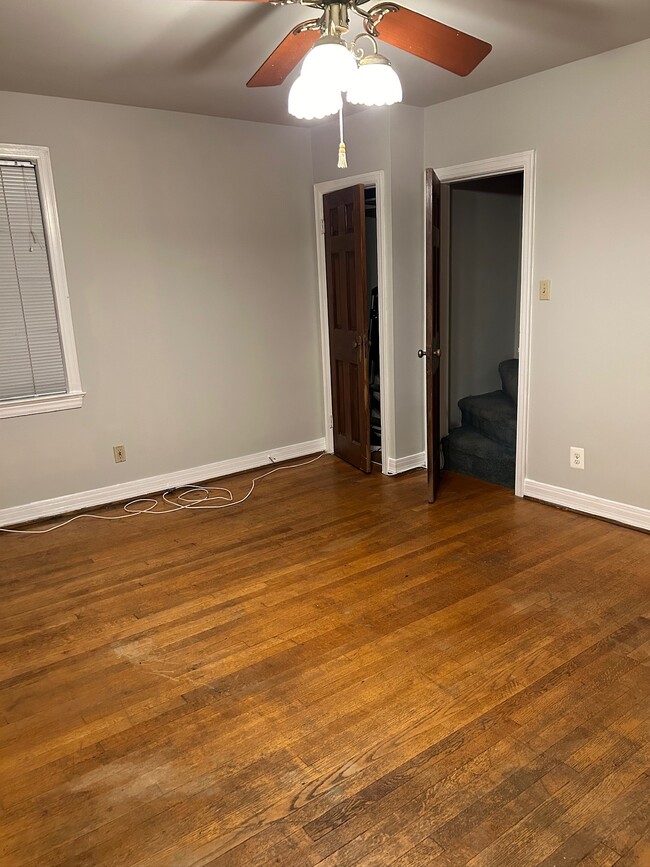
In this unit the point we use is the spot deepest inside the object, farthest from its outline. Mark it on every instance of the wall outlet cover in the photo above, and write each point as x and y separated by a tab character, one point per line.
577	458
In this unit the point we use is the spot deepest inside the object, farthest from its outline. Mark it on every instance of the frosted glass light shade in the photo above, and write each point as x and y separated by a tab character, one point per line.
309	99
330	61
375	83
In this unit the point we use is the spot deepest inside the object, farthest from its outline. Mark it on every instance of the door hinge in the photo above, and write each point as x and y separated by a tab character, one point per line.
322	226
331	422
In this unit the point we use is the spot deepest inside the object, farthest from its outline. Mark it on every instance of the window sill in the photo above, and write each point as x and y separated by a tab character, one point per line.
35	405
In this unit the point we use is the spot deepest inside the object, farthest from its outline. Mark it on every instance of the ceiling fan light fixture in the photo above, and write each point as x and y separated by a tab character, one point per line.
331	61
375	83
310	99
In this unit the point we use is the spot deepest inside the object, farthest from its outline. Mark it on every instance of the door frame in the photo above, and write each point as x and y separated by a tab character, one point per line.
525	162
384	277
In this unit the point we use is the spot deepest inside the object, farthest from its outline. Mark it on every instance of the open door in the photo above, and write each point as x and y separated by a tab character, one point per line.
345	258
432	351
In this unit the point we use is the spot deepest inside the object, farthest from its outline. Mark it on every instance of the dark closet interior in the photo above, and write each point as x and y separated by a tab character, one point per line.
373	323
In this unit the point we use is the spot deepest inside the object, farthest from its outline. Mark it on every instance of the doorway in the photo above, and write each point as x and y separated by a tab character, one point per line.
372	306
479	428
464	295
351	242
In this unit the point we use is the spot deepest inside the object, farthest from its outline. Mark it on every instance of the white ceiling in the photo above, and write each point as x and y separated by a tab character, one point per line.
196	55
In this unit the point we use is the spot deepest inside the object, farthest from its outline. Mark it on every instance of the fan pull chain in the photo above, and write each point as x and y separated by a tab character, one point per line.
343	160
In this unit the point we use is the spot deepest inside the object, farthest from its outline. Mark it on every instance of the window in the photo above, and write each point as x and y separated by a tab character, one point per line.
38	360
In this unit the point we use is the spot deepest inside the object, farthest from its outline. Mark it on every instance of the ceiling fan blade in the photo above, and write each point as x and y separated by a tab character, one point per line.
284	58
446	47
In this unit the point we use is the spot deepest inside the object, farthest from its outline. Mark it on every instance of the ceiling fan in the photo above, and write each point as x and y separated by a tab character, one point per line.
332	68
430	40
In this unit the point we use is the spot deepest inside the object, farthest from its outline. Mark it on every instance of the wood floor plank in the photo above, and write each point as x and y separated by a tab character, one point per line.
335	673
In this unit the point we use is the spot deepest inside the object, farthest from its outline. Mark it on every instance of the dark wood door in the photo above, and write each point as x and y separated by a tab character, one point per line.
347	301
432	351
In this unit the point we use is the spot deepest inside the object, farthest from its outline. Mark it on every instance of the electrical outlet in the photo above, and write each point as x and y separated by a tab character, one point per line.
577	458
119	453
544	290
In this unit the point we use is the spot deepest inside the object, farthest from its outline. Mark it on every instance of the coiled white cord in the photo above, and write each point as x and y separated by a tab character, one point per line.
186	498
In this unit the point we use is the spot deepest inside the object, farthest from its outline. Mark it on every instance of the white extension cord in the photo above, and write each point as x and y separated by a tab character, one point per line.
186	498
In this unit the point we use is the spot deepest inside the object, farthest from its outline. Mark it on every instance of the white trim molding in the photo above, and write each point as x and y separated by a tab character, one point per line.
385	280
409	462
73	397
632	516
142	487
39	404
519	162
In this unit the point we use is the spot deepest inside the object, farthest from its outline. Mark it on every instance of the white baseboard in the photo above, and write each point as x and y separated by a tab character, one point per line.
634	516
141	487
410	462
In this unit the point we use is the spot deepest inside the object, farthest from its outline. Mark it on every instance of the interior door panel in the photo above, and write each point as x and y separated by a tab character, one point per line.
345	255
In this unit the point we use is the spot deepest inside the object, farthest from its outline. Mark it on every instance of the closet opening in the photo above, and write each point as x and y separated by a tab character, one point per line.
372	281
479	422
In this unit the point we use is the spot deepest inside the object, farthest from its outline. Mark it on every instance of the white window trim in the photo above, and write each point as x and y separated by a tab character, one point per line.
73	398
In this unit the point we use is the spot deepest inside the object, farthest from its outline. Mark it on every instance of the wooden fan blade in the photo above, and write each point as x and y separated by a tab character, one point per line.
284	58
453	50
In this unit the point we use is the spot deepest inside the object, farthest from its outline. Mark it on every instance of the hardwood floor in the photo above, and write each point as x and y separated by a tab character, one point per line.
335	673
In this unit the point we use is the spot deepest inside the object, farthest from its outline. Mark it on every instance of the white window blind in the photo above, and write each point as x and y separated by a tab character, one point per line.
31	355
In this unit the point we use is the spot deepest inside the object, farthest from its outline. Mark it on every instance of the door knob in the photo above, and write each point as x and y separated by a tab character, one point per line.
422	353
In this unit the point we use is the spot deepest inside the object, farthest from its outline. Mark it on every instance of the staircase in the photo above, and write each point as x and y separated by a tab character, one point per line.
484	445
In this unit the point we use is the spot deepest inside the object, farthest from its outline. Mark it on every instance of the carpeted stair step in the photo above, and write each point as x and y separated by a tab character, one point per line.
494	415
509	373
467	451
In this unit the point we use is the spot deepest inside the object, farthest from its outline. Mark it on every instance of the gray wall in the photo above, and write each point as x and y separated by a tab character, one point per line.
590	379
484	283
407	197
189	246
367	137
